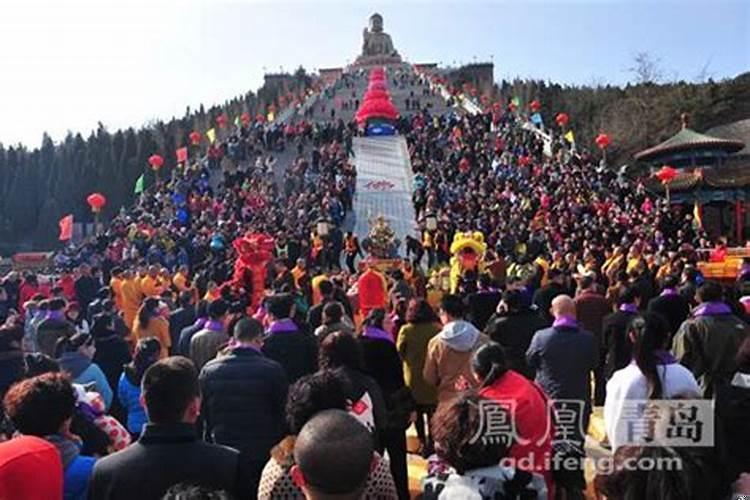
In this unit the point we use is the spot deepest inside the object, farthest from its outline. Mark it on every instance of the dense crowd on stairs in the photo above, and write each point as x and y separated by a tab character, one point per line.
225	338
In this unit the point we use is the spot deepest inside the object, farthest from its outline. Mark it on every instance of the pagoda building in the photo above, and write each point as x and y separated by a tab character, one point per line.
709	180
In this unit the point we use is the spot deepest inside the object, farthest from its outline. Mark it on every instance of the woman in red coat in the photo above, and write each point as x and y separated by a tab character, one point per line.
528	405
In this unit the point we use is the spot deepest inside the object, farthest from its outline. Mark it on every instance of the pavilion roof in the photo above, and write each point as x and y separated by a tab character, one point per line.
686	140
732	176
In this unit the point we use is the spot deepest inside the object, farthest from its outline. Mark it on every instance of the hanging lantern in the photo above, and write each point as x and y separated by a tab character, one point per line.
222	120
96	201
562	119
245	118
195	137
666	174
603	141
156	161
535	105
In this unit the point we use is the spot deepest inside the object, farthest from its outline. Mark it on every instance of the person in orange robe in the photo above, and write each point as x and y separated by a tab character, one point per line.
131	297
115	284
373	291
151	322
151	283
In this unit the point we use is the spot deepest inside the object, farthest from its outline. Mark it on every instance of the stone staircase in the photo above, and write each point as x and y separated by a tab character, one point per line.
384	179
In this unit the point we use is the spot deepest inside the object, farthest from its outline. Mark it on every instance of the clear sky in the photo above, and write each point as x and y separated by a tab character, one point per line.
67	64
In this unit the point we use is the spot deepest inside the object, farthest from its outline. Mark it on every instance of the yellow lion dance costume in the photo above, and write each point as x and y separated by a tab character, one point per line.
467	254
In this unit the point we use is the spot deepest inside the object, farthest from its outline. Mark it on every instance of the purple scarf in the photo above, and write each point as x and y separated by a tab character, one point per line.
372	332
667	292
629	308
285	325
711	309
58	315
200	322
664	357
565	322
214	325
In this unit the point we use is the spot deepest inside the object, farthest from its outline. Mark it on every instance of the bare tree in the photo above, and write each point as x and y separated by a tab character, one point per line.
646	68
704	74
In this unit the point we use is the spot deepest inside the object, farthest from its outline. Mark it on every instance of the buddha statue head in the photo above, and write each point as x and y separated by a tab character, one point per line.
376	23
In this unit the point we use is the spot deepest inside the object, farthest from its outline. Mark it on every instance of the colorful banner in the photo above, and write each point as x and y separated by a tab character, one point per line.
140	185
66	227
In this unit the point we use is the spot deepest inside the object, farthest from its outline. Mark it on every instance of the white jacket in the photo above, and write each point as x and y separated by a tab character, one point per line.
630	384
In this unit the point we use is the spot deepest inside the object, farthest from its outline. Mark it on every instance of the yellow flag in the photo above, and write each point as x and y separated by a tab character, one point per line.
569	136
697	215
270	116
211	134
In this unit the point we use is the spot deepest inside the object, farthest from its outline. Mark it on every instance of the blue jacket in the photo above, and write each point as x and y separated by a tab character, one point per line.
85	372
244	394
129	395
76	478
563	358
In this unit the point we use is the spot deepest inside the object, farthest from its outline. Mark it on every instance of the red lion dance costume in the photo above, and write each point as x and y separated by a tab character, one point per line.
254	252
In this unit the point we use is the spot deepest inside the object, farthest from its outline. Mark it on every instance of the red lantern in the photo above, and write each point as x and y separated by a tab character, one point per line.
497	107
156	161
260	118
666	174
96	201
602	140
535	105
222	120
562	119
195	137
245	118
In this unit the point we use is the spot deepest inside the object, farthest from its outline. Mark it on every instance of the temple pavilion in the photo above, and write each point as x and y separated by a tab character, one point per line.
709	178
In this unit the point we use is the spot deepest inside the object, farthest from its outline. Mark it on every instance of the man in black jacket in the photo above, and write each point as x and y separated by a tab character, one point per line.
670	304
618	350
328	294
288	343
244	394
53	327
544	296
513	326
169	451
181	318
187	333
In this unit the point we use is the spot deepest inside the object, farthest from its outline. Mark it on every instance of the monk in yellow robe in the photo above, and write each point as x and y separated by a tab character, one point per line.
132	296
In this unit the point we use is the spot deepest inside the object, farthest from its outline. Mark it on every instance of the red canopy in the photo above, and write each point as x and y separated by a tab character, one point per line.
378	85
376	94
377	108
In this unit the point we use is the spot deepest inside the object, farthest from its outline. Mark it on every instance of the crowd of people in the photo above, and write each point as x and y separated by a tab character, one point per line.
146	369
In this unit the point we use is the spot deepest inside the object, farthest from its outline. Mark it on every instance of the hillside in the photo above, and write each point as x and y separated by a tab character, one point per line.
636	116
39	186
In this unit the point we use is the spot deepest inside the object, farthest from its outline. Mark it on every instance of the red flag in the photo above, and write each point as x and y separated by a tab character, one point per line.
182	155
66	227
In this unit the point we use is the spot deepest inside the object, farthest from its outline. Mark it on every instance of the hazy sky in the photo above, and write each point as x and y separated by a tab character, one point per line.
67	64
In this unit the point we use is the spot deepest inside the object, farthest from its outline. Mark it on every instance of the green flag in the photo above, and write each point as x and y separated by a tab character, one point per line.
516	101
139	185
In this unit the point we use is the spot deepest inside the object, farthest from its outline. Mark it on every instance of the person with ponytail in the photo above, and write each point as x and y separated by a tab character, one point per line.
129	387
527	403
150	322
652	374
